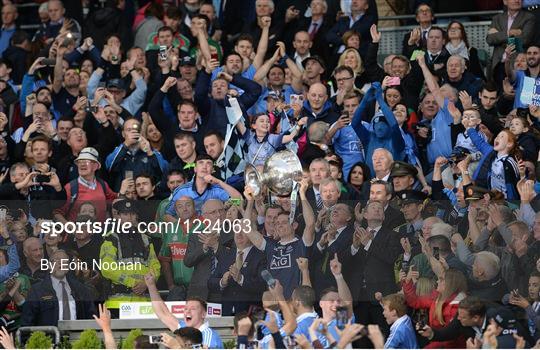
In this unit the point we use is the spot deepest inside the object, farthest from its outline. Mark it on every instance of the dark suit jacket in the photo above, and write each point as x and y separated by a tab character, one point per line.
41	306
320	45
408	50
362	26
234	295
201	262
319	261
524	21
371	271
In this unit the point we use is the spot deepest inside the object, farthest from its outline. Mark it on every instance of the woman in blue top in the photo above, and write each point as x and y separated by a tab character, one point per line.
384	132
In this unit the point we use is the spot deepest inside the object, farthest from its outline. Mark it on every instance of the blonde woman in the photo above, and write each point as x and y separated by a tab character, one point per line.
442	303
351	58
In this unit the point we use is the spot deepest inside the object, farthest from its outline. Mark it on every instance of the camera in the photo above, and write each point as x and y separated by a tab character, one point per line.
90	109
42	178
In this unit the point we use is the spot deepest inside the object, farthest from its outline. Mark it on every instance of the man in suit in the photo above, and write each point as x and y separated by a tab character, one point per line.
265	8
359	20
319	169
382	191
370	262
57	297
522	25
202	249
417	38
315	26
436	54
238	276
336	238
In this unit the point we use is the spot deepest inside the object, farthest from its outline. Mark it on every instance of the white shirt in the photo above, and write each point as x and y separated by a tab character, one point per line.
368	244
497	174
299	59
339	230
58	290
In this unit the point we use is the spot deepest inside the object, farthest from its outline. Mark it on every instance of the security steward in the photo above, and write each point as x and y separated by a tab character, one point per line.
403	176
412	205
126	258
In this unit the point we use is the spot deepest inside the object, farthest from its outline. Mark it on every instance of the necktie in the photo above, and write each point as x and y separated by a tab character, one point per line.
239	259
424	35
319	201
313	30
66	312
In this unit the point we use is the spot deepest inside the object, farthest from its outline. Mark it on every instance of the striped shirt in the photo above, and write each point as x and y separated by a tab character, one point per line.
402	335
211	338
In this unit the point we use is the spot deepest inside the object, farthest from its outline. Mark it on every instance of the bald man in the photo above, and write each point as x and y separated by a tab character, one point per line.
318	107
33	253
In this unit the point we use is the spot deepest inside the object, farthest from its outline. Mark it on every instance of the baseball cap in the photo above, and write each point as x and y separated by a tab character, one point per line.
116	83
187	61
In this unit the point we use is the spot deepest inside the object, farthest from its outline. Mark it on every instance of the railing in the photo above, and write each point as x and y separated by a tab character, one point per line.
392	38
223	325
445	15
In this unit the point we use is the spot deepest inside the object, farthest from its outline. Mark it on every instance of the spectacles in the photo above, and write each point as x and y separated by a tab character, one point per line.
341	80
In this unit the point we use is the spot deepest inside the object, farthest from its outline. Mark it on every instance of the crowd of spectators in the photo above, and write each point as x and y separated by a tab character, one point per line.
417	219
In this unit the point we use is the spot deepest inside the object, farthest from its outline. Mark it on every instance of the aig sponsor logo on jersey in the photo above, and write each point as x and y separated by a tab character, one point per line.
281	261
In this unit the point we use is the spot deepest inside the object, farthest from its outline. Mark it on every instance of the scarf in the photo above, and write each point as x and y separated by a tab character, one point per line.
460	50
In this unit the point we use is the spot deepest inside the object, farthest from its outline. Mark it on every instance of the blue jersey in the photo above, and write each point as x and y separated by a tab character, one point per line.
441	140
189	190
332	328
303	322
349	147
211	338
282	264
402	335
264	343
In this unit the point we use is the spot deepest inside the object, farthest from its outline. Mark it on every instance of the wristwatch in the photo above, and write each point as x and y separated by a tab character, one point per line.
8	241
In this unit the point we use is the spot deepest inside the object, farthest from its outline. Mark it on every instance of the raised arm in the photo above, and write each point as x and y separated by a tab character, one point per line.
254	236
288	316
432	85
344	291
263	70
161	310
58	70
388	114
309	216
264	23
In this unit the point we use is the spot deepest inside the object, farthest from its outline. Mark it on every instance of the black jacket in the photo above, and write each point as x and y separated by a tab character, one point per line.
236	296
371	271
41	306
319	261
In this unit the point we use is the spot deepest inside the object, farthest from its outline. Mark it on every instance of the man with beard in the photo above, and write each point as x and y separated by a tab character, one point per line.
41	94
65	84
517	77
